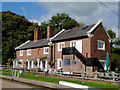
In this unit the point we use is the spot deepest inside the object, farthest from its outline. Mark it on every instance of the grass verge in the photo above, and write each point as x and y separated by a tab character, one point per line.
106	86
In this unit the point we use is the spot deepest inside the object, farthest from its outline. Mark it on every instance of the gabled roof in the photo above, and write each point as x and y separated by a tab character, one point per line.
73	33
62	35
34	44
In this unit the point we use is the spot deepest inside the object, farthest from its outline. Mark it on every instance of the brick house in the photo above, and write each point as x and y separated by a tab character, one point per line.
78	49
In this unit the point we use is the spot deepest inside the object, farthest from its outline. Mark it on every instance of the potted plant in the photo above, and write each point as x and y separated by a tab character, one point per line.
19	62
35	63
51	65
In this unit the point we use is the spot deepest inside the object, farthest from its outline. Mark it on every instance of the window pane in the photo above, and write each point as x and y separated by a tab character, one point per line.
100	45
29	51
46	50
60	63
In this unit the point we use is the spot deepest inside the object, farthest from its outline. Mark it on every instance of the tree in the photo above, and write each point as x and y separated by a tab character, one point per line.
43	27
117	42
15	31
115	51
112	36
62	21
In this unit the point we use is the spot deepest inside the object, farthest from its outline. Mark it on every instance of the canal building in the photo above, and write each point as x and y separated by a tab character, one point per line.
77	49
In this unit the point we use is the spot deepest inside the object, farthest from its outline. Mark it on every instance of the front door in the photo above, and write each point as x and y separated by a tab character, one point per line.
43	64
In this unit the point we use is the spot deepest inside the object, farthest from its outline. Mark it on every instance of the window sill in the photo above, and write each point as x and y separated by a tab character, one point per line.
45	53
101	49
59	50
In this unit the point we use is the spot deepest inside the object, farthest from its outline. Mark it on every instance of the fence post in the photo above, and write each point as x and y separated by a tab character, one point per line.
113	74
17	73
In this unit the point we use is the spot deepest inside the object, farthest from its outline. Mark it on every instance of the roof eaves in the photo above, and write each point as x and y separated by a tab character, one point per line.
22	44
57	34
93	28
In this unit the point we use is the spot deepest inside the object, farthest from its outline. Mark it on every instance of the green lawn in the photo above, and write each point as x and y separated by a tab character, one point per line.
56	80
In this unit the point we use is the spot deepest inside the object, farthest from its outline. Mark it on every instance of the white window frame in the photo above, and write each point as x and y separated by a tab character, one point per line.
44	50
103	48
59	46
28	52
58	63
21	65
72	42
20	52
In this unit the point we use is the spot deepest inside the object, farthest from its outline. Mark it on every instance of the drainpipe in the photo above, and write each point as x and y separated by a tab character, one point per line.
54	55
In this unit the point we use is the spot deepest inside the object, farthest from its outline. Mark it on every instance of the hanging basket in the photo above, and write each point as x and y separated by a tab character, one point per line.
42	58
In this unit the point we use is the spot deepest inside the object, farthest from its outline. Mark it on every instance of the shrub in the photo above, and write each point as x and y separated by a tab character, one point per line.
42	58
19	62
35	63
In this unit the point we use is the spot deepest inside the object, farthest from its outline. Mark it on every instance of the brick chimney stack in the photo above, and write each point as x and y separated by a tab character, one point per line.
40	34
36	34
50	31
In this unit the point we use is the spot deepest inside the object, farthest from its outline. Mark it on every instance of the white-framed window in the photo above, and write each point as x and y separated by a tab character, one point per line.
60	46
21	65
101	45
46	50
73	44
59	63
21	52
28	51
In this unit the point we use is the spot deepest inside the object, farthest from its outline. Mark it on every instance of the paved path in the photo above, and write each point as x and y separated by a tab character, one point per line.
10	84
35	82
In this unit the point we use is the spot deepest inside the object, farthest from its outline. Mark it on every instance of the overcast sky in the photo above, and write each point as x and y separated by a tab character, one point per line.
86	12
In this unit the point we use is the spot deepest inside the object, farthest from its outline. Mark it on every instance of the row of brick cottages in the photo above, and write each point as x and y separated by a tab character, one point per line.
78	49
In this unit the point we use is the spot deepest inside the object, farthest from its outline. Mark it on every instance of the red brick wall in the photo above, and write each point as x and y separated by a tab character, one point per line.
79	66
85	49
34	53
99	34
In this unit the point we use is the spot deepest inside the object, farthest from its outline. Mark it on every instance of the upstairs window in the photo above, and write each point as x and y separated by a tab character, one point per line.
60	46
73	44
21	52
29	52
101	45
46	50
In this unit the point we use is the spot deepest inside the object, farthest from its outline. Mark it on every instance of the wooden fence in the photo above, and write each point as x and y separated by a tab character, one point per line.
111	76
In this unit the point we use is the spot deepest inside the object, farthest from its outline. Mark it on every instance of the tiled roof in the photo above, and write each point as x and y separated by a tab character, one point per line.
73	33
34	44
66	34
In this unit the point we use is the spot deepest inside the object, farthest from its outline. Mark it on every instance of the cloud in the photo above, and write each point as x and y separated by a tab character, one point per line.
86	12
35	21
